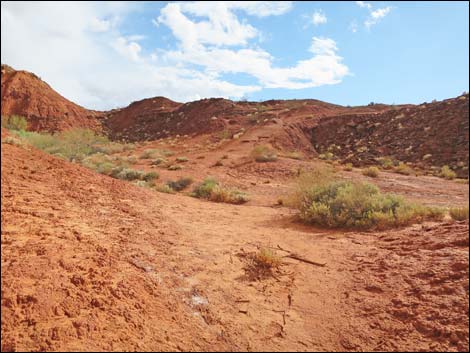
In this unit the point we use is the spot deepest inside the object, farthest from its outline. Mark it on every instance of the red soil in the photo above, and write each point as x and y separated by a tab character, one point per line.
93	263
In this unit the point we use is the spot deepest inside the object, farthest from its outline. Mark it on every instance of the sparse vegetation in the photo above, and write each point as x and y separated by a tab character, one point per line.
12	141
348	167
386	163
372	172
165	189
14	122
459	213
210	189
327	202
180	184
264	153
149	154
267	259
403	169
175	167
182	159
447	173
294	155
328	156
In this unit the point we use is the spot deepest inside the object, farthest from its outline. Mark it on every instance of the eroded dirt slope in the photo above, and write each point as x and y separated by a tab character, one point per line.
24	93
76	254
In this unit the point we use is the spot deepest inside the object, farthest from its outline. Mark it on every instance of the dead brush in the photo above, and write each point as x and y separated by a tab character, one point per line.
262	264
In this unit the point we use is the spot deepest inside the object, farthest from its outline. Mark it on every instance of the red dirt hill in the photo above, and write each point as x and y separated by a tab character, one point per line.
25	94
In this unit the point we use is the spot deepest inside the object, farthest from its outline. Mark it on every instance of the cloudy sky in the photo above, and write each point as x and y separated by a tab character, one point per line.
107	54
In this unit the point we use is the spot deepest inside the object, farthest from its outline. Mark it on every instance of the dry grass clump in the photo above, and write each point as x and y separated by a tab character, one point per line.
403	169
386	163
211	189
10	140
372	172
326	201
264	153
267	259
459	213
447	173
180	184
294	155
175	167
348	167
181	159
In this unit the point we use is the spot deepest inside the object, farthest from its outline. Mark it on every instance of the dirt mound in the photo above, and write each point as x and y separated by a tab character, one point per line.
87	264
23	93
433	134
412	290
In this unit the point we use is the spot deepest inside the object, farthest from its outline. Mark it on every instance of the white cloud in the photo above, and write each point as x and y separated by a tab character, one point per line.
363	4
376	16
319	18
80	51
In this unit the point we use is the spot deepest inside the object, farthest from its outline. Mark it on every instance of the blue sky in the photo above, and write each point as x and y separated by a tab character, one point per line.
107	54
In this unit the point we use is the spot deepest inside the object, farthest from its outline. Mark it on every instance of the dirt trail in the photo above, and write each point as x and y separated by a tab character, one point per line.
106	265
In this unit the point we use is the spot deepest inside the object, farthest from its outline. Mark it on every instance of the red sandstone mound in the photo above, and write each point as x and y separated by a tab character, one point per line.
433	134
25	94
86	263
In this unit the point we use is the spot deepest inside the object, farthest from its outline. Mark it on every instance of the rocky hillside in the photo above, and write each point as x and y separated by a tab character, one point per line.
24	93
430	134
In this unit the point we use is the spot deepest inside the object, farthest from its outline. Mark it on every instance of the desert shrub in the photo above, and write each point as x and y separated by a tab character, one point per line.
447	173
14	122
130	174
210	189
264	153
182	159
180	184
348	167
372	172
386	163
150	176
149	153
337	203
165	189
328	156
459	213
159	161
404	169
175	167
267	259
131	159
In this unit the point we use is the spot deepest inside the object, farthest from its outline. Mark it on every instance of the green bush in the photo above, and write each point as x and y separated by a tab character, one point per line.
14	122
459	213
372	172
447	173
180	184
335	203
210	189
264	153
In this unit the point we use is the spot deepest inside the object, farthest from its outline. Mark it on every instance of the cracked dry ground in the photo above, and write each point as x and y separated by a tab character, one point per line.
93	263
